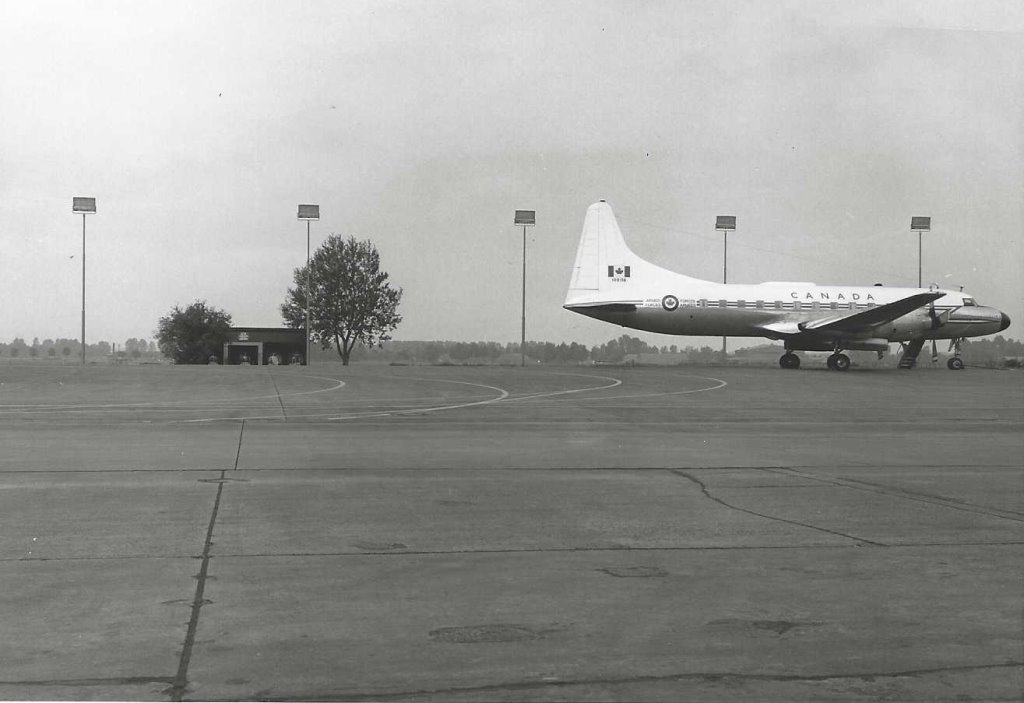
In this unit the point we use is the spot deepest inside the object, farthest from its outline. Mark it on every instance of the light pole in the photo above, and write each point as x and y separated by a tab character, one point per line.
308	213
919	225
526	218
724	223
84	206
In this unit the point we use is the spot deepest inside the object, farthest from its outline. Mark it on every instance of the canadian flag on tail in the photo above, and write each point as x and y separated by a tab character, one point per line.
618	272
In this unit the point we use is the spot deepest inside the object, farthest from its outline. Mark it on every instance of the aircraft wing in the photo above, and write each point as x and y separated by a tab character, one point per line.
855	321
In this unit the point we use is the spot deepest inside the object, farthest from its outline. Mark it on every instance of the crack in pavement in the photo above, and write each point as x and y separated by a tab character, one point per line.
279	400
114	681
904	494
179	684
711	677
706	492
524	550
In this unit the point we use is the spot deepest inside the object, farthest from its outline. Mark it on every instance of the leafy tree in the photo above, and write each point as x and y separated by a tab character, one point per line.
18	346
351	300
193	334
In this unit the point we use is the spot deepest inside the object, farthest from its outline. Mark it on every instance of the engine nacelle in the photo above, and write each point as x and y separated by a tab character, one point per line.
875	344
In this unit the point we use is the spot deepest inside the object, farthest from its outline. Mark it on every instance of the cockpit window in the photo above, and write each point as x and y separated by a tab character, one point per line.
969	301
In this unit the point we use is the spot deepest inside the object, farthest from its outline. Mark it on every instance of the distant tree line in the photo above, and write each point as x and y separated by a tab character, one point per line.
995	352
62	348
614	351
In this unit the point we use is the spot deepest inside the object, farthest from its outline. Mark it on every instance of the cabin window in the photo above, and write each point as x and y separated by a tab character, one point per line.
778	304
741	303
815	305
722	303
759	305
834	305
702	303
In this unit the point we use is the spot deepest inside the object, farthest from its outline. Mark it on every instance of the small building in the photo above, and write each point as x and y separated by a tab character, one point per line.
265	345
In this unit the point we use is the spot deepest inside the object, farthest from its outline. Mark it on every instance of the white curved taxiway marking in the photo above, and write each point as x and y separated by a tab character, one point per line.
719	383
502	395
614	382
338	385
228	402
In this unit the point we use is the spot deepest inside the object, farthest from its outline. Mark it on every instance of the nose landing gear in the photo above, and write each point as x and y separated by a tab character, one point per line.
955	363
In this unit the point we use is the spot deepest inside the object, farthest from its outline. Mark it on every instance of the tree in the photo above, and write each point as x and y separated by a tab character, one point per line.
351	300
18	346
193	334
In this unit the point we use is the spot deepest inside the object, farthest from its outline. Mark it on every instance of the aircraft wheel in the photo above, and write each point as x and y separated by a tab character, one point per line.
840	362
789	360
831	361
955	364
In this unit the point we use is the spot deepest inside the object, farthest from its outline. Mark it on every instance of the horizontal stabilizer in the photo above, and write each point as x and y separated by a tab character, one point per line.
603	307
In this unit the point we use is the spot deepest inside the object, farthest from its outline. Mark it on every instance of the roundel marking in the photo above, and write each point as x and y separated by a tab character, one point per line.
670	302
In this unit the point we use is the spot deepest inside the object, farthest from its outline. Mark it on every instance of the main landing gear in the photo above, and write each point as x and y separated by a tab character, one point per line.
838	362
955	363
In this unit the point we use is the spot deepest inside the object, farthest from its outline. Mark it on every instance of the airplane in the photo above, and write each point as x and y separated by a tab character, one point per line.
611	283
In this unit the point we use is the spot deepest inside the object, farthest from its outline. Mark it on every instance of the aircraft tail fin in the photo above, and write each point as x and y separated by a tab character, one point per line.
602	252
606	270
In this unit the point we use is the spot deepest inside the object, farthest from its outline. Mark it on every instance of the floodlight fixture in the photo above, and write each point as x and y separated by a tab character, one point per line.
920	224
524	218
308	213
83	207
725	222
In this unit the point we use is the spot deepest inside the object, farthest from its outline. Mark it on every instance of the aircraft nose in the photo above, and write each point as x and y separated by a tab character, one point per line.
1004	321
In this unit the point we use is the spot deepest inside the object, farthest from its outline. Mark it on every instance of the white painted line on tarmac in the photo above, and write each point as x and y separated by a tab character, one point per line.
339	384
614	382
39	409
502	395
719	384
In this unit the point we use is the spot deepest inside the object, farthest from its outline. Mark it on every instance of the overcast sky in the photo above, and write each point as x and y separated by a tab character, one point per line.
200	126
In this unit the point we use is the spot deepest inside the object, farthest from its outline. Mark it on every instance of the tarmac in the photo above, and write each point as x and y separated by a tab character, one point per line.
382	533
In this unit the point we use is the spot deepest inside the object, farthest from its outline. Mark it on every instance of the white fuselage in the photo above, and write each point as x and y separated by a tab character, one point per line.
715	309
